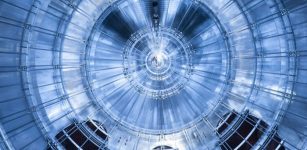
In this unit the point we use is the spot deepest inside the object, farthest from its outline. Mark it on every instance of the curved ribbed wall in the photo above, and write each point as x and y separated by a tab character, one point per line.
153	74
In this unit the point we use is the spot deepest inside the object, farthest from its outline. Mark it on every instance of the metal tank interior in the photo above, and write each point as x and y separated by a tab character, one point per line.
153	74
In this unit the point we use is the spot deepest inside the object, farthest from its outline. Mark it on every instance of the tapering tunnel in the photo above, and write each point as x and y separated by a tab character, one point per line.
153	74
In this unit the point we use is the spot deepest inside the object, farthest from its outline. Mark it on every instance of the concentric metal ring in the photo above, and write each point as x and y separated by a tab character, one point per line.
157	62
166	77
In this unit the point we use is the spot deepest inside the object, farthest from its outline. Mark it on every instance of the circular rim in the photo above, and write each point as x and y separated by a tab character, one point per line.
221	94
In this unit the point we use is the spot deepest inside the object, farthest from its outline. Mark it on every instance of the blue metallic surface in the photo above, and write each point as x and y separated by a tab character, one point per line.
154	74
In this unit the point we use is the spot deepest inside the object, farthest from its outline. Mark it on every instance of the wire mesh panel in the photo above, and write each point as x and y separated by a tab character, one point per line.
89	135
